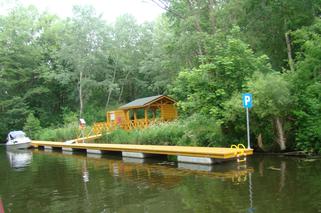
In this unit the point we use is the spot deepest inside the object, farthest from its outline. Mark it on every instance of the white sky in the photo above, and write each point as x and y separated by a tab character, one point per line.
143	10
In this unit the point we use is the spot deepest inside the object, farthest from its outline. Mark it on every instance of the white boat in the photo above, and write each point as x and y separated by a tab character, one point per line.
18	140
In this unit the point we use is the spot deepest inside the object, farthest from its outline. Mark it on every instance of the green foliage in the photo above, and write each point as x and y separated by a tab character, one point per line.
13	114
223	73
273	102
61	69
69	118
306	88
270	92
59	134
202	130
32	126
308	124
264	24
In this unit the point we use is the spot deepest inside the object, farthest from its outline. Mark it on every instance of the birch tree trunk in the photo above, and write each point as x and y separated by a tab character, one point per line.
197	25
260	141
110	89
280	132
122	87
288	45
211	6
81	101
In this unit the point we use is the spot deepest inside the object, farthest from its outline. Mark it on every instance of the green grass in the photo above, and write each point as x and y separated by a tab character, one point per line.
196	130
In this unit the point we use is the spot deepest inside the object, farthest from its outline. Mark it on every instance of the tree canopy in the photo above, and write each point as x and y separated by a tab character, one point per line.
205	53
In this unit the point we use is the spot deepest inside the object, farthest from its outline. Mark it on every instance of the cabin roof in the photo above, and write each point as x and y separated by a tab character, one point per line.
143	102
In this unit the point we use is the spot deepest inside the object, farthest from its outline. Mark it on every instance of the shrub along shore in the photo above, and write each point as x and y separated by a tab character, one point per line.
197	130
194	131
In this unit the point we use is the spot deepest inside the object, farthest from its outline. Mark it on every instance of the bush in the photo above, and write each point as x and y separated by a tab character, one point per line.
59	134
94	114
70	118
195	131
32	126
202	131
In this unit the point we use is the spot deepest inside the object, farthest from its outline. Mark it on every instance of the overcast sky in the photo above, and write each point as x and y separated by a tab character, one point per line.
143	10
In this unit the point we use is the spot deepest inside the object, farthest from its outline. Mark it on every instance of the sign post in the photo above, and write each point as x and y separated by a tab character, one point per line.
247	103
82	126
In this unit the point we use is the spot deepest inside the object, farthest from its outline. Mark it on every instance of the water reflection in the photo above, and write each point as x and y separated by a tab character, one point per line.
250	209
85	172
19	159
55	182
156	172
282	175
281	168
195	167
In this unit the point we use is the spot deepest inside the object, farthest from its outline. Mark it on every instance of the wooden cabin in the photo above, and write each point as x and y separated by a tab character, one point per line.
139	113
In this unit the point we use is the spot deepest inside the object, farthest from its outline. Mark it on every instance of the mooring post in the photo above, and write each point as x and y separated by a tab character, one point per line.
247	103
248	128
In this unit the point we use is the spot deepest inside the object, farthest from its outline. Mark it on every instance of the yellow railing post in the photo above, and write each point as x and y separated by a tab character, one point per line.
239	151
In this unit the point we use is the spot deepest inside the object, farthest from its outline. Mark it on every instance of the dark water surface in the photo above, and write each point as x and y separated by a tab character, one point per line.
41	181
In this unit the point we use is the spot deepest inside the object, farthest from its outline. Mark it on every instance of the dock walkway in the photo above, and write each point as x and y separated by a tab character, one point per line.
185	153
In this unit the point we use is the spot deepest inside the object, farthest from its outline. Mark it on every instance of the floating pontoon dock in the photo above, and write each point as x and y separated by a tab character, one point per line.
199	155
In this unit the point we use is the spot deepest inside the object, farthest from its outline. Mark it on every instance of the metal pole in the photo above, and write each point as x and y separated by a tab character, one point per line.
83	135
248	128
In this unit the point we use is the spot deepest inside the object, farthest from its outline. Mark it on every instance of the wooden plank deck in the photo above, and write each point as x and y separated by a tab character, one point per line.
206	152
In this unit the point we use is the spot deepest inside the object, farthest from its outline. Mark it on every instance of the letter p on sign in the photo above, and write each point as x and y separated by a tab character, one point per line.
247	100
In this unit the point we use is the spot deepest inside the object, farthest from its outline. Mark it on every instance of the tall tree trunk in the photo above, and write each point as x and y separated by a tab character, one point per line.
81	101
211	6
196	24
280	132
121	93
288	45
110	89
260	142
122	87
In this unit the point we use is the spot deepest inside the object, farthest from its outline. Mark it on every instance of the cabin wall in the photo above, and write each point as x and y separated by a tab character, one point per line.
117	116
120	116
168	112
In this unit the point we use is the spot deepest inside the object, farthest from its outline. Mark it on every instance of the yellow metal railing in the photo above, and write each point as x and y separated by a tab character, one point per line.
100	127
239	152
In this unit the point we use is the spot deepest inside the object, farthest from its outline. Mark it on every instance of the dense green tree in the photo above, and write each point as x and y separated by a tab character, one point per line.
83	46
306	87
224	72
266	24
19	74
32	126
128	50
161	64
204	52
273	102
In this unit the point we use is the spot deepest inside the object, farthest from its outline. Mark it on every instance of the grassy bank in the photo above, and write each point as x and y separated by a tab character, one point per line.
193	131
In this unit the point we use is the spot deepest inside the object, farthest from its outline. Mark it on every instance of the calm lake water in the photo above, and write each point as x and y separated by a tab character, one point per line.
42	181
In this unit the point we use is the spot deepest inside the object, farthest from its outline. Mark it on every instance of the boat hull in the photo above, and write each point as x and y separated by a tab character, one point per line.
24	145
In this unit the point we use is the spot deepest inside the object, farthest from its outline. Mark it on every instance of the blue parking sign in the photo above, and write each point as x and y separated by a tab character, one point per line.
247	100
